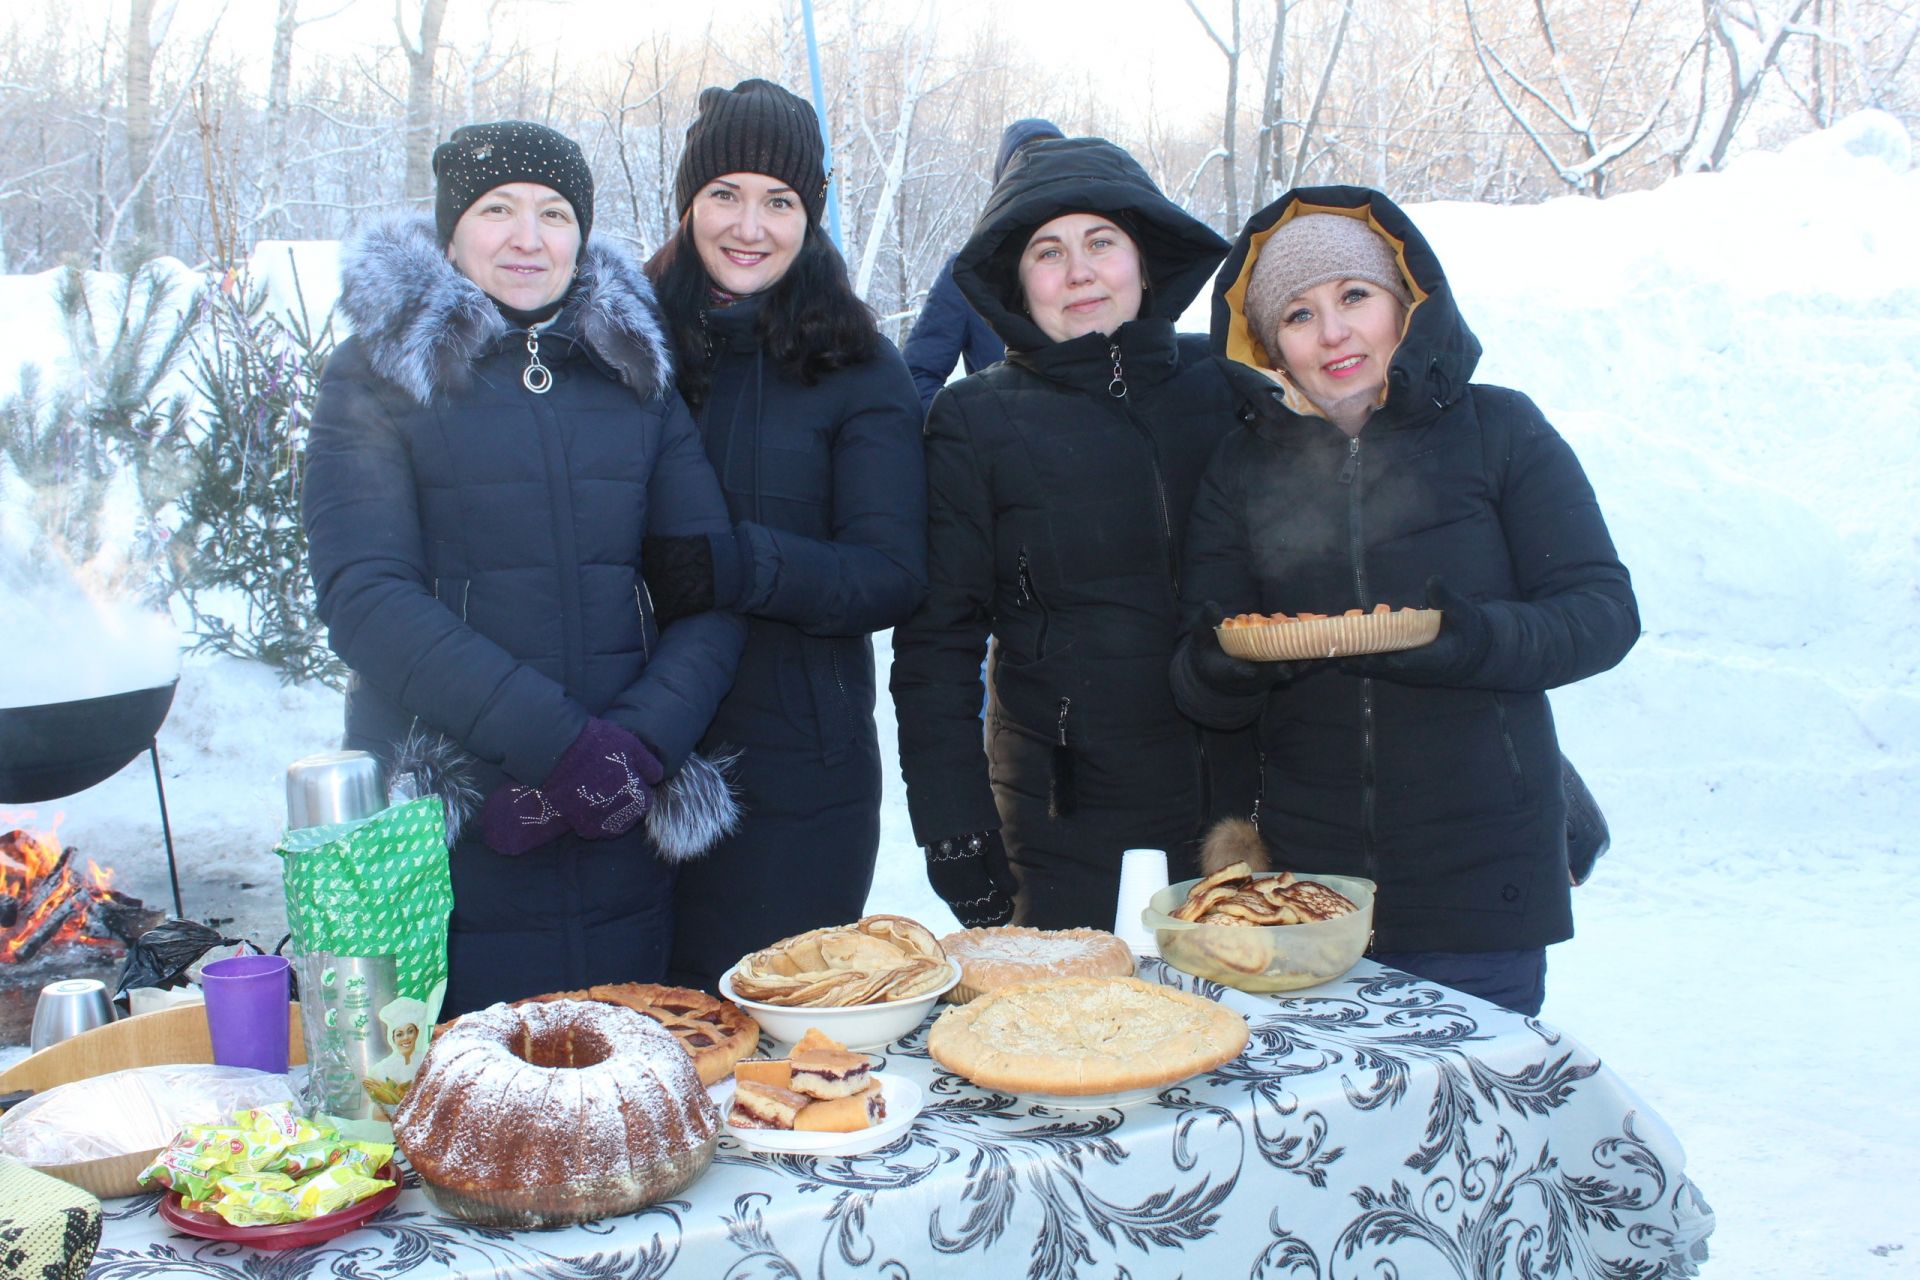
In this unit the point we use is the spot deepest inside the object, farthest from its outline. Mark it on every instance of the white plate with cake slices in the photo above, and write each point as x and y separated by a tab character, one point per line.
903	1099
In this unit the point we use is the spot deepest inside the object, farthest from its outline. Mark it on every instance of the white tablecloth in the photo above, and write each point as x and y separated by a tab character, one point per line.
1376	1126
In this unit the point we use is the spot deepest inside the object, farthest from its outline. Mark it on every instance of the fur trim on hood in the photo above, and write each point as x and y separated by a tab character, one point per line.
424	325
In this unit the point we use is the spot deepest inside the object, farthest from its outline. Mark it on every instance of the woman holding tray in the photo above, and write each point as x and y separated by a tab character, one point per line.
1373	471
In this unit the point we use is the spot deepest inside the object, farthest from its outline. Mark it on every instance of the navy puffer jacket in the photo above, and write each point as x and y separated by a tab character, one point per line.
1449	797
475	549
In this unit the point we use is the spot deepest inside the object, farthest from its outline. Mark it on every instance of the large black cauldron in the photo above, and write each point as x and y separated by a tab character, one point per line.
58	748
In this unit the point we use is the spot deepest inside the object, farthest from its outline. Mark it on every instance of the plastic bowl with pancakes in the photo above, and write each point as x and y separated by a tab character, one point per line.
1278	957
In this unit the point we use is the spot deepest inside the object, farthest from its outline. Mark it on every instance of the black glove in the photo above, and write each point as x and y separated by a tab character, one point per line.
971	874
1216	669
691	573
1450	659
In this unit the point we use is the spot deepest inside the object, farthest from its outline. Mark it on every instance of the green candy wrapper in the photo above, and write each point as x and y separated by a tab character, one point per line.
269	1166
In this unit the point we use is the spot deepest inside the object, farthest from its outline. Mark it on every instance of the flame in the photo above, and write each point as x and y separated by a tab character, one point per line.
28	857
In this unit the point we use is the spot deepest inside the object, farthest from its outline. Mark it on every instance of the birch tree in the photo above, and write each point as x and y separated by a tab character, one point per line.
422	47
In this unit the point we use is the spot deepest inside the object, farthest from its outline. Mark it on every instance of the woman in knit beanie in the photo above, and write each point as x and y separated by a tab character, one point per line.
486	452
1376	473
813	423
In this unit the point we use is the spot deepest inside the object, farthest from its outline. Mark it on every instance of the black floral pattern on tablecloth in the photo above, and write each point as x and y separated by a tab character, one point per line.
1379	1126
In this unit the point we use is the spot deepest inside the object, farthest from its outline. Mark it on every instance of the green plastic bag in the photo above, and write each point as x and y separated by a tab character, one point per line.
376	886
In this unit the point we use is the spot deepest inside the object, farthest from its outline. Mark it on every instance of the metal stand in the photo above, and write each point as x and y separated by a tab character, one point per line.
166	828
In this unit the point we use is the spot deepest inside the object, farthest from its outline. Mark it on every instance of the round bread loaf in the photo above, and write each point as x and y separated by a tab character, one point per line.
539	1114
990	959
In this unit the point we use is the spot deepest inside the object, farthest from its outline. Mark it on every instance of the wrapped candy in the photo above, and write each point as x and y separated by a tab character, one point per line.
269	1166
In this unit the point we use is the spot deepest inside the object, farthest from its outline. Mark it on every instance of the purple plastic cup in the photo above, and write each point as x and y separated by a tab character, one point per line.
248	1003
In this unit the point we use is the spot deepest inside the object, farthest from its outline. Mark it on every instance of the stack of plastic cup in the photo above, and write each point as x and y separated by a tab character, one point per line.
1143	873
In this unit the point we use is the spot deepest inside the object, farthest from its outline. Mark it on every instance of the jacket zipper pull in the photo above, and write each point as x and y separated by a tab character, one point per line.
1060	797
536	377
1025	576
1353	461
1118	387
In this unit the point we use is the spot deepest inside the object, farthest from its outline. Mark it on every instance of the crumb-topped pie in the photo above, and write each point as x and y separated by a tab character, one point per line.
715	1033
1074	1036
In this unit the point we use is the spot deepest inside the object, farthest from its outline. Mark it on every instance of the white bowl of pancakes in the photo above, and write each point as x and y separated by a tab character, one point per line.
865	984
1263	931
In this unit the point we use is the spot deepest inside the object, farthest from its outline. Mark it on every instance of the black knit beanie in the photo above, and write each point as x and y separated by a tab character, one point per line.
755	127
480	157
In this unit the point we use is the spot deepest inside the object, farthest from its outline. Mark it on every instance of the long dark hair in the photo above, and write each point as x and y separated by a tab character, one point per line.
811	323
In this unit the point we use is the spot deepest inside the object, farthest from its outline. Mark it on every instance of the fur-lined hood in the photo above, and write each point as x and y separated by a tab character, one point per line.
424	325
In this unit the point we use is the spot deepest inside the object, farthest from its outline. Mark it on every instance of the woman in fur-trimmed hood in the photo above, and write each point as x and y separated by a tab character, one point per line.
1373	471
487	451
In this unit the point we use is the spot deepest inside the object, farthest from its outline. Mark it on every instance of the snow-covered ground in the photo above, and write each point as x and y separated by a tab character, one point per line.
1734	357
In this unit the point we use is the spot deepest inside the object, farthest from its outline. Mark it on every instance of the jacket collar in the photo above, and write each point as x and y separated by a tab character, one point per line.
1149	353
424	325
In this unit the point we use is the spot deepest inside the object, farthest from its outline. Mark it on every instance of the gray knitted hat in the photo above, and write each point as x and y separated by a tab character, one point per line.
480	157
1312	249
755	127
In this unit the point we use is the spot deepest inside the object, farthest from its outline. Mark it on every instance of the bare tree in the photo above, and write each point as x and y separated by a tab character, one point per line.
422	47
1229	147
1582	111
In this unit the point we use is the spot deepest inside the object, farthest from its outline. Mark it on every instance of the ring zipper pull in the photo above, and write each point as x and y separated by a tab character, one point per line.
536	377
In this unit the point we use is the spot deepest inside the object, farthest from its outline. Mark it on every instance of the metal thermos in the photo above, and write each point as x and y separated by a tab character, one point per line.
333	787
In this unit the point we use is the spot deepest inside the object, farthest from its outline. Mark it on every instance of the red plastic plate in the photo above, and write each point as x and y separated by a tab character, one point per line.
282	1235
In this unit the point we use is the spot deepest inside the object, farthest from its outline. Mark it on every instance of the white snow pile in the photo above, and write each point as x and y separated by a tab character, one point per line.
1733	356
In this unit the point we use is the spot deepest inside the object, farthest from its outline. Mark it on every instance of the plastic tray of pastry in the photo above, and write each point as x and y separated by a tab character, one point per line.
904	1101
1279	638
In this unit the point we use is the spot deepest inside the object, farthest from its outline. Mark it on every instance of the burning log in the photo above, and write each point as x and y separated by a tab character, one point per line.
45	898
23	948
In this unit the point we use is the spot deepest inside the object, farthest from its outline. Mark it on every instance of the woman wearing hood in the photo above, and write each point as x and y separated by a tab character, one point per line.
1059	483
1374	472
811	420
487	451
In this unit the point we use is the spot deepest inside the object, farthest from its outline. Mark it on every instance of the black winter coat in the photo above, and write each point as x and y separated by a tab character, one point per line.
948	332
1450	798
826	486
475	550
1057	512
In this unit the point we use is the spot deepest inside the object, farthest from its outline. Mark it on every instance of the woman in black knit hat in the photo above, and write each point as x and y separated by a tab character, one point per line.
812	421
487	452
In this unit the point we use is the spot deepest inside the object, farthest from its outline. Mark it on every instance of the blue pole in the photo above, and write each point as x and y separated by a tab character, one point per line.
820	109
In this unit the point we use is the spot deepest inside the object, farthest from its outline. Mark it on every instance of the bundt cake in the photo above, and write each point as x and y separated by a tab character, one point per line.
540	1114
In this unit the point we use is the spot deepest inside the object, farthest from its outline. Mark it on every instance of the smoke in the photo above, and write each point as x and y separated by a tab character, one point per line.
62	639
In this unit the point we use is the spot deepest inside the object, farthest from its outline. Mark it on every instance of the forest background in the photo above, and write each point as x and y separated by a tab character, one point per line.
149	148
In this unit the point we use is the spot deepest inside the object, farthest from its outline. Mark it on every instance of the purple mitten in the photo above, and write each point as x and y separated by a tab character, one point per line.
603	784
516	819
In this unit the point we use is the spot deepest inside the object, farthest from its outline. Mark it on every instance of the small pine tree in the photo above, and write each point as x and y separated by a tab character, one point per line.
242	564
69	441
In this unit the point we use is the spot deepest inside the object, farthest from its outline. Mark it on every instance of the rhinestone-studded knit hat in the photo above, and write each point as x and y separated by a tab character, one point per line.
755	127
1312	249
480	157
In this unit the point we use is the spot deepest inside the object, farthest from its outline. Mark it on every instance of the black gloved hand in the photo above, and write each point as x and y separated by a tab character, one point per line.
1216	669
971	874
1452	657
692	573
